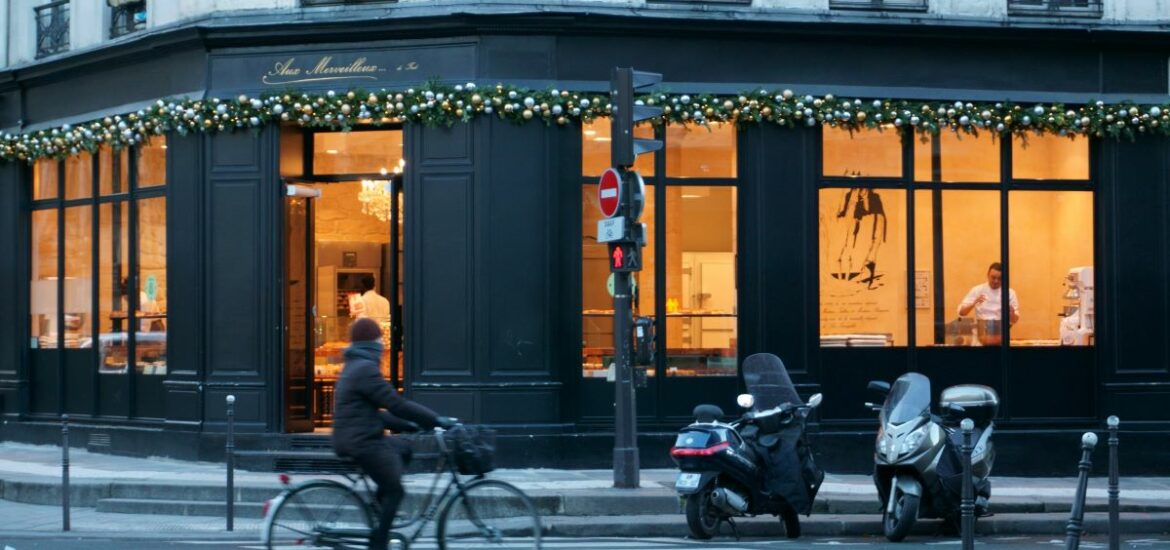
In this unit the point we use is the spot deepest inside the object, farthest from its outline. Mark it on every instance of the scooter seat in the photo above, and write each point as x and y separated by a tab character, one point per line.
708	413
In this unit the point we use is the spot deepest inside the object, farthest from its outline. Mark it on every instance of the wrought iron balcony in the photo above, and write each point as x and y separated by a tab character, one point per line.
879	5
1056	8
52	28
126	16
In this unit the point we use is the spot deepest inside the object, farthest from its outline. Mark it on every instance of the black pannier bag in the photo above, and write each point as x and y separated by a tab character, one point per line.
473	448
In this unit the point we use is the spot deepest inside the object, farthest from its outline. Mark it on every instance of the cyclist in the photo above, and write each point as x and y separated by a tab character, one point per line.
366	404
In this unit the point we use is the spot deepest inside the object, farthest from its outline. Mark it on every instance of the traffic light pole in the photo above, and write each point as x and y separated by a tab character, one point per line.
625	255
625	451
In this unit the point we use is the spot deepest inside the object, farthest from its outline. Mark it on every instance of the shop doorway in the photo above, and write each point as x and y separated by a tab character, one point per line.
343	260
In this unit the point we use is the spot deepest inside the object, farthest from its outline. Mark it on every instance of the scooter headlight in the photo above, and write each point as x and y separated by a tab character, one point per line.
912	441
883	442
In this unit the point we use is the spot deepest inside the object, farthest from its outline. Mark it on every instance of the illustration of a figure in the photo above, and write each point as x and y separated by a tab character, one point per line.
859	204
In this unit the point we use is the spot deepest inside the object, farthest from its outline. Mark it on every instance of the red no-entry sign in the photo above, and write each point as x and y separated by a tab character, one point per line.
609	192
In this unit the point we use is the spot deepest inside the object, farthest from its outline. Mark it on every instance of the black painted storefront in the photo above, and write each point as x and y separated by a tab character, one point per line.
493	246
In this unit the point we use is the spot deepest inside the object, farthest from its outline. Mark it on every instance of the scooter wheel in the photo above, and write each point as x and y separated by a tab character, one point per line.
897	525
702	517
791	523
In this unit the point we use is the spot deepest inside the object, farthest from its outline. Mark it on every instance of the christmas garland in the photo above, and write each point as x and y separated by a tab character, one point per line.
439	105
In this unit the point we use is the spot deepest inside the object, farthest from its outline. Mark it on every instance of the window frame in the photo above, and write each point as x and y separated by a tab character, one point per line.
52	22
1093	9
122	14
937	187
660	183
129	199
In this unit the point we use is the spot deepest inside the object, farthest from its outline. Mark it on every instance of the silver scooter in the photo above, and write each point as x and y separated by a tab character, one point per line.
917	464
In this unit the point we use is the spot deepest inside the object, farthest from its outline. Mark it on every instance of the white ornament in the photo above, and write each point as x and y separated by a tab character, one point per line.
584	103
256	104
965	120
254	121
686	99
1039	109
877	104
529	102
512	94
1155	111
331	93
221	108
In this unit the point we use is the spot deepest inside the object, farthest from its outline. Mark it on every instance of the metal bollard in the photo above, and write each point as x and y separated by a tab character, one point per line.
64	472
1077	519
967	504
230	451
1114	490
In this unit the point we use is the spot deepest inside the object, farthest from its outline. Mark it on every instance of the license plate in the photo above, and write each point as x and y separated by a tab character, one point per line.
687	481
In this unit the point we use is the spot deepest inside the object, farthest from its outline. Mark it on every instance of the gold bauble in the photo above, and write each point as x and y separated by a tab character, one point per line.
476	99
527	114
766	111
349	95
446	105
861	116
1007	119
459	113
562	120
509	108
373	99
307	109
709	112
728	105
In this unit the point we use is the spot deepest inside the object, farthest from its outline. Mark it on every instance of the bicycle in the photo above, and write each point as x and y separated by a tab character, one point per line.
330	514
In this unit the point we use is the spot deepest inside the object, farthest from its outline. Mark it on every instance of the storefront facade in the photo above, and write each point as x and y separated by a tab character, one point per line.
234	254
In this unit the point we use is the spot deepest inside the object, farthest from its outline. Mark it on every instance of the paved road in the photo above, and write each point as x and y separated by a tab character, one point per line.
987	543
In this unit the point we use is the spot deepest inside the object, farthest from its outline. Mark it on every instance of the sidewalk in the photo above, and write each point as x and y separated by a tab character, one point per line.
111	493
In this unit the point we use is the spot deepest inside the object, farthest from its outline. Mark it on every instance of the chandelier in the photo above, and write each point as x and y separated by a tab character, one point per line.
375	195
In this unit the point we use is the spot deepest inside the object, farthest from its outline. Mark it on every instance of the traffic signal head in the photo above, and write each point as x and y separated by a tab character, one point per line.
624	147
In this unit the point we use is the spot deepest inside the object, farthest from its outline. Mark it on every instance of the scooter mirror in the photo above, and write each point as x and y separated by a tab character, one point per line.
815	401
879	386
746	400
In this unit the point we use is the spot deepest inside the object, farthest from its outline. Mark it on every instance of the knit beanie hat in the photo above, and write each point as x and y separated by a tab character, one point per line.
364	330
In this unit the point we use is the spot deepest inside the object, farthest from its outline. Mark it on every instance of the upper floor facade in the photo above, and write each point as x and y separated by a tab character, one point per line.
37	30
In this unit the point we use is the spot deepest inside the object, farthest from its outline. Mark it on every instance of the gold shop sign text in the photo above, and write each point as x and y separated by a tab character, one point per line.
293	70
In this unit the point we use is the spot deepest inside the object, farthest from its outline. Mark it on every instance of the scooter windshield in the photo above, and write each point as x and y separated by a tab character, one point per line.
767	380
909	399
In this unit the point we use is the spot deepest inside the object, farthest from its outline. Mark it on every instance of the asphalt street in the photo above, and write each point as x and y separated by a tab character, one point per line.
211	543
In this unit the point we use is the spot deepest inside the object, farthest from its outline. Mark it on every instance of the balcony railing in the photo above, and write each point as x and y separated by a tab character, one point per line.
52	27
1056	8
879	5
126	16
311	3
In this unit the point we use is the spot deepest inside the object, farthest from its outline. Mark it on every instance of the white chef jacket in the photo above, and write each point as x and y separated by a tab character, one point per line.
992	307
374	306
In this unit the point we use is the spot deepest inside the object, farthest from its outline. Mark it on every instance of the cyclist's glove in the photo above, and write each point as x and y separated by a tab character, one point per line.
446	422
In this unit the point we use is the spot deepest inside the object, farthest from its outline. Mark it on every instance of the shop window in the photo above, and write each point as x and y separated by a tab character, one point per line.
862	267
695	311
152	163
43	287
78	282
113	171
597	284
969	236
1056	8
960	273
595	148
79	176
129	315
878	5
113	282
701	292
1050	157
46	179
861	154
1051	251
151	349
961	158
357	152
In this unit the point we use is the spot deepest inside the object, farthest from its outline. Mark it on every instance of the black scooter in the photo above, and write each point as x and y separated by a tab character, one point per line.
759	464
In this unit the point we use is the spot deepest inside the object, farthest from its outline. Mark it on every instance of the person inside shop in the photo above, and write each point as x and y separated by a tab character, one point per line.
986	302
366	405
370	304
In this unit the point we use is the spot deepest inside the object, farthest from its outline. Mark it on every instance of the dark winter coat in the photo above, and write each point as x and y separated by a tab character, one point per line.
366	404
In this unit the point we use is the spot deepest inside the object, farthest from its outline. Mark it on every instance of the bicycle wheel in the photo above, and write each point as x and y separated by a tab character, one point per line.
489	512
318	513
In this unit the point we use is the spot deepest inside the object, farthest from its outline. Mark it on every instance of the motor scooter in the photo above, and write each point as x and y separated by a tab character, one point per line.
759	464
917	461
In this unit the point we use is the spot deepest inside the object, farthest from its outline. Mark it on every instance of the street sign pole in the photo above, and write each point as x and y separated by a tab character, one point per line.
625	450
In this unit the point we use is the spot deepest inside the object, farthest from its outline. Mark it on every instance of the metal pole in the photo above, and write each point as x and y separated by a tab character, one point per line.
1114	490
230	451
64	472
625	450
1077	519
967	504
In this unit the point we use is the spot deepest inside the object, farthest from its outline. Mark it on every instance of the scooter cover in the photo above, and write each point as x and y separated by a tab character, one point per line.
790	472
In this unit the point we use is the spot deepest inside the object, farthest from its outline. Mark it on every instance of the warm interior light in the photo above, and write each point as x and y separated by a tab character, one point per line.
331	151
692	196
601	139
590	133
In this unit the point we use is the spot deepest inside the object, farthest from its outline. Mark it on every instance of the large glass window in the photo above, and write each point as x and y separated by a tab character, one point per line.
688	281
88	210
965	289
356	152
